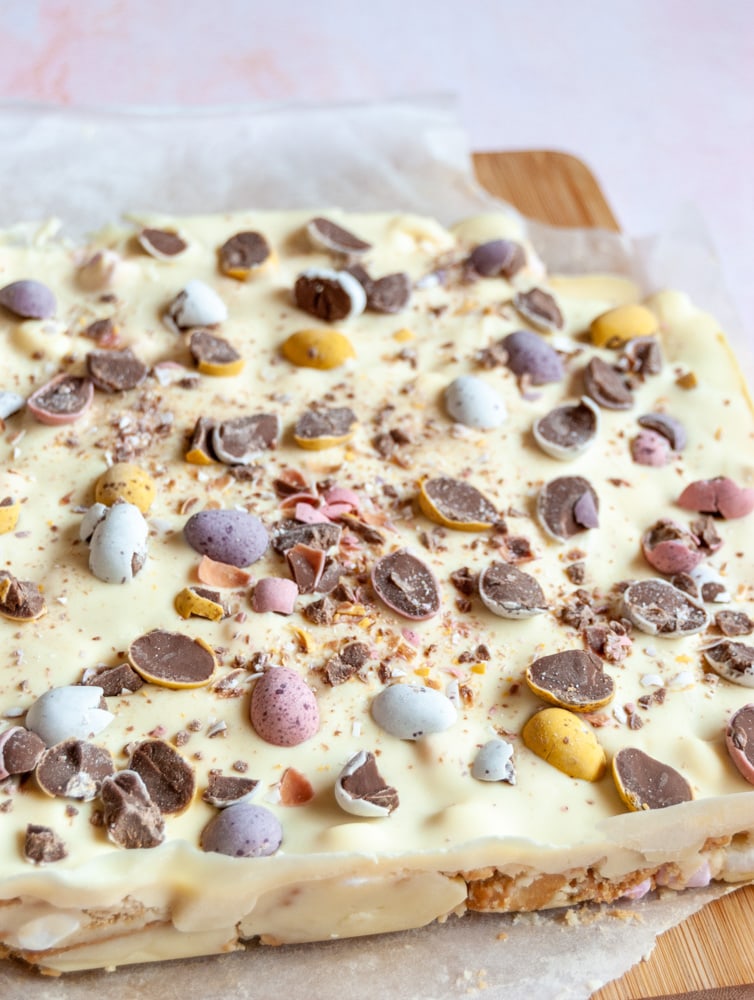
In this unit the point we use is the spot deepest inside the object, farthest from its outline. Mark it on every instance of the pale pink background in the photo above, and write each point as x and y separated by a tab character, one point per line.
656	95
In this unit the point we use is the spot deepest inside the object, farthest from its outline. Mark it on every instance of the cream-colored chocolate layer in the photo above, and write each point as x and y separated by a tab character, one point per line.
447	822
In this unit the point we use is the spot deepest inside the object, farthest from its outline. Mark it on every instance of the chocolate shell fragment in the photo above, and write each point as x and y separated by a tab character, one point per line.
646	783
566	506
168	778
407	585
573	678
658	608
115	371
508	592
732	660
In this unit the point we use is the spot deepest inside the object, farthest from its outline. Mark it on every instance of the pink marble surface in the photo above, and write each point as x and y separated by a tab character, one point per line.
656	95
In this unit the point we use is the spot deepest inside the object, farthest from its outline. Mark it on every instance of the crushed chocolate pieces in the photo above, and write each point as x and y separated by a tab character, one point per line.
114	681
224	790
20	600
42	846
705	530
733	623
576	572
321	612
464	580
20	751
103	331
346	663
287	533
130	816
74	769
168	778
115	371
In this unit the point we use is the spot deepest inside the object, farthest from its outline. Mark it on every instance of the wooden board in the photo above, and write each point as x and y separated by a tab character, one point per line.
714	947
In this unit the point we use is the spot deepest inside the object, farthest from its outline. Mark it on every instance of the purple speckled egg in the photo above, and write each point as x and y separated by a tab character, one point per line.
529	354
243	831
227	536
28	299
284	710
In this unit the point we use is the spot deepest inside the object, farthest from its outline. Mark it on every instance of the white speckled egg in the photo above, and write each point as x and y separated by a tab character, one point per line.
118	545
410	712
284	710
494	762
474	403
68	713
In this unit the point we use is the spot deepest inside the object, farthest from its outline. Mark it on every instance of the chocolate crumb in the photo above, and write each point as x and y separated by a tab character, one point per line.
42	846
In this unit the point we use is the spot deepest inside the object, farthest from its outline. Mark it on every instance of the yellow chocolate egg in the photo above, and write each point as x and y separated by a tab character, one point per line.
623	323
9	511
125	481
564	740
322	349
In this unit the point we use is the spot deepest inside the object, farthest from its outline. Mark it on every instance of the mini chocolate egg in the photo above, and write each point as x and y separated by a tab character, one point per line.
243	830
732	660
125	481
623	323
718	496
28	299
323	349
284	710
329	295
473	402
275	593
68	712
411	711
227	536
118	543
530	354
670	548
564	740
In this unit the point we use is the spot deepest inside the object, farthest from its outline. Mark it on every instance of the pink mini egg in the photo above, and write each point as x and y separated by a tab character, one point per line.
718	496
275	593
670	549
650	448
739	740
284	710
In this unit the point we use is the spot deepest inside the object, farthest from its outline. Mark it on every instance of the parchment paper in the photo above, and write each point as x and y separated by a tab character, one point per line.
89	167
